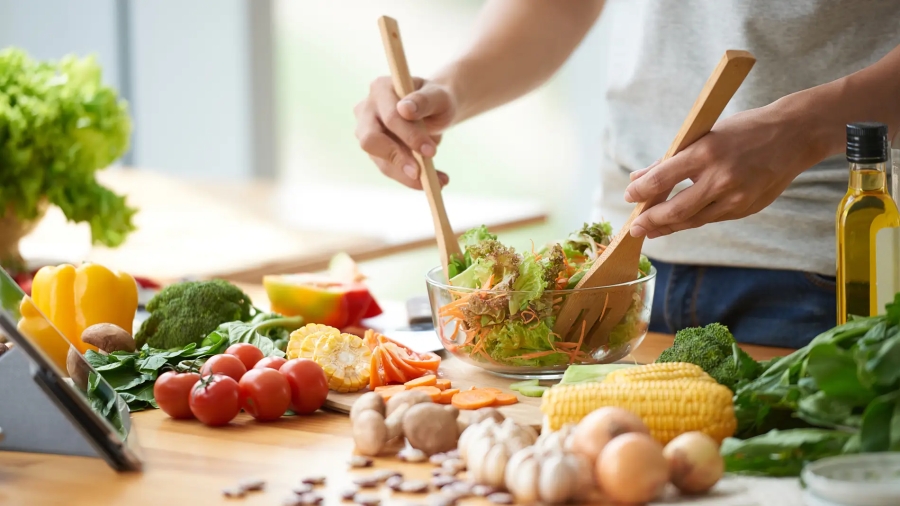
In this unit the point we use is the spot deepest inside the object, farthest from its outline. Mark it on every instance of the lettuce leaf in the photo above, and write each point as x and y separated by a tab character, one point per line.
529	284
515	338
59	124
475	276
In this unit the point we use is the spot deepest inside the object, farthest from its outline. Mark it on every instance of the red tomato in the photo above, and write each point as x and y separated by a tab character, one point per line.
229	365
265	394
172	391
271	363
309	386
215	400
248	354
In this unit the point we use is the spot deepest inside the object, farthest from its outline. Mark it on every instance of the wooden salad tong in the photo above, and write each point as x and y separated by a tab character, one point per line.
448	246
595	312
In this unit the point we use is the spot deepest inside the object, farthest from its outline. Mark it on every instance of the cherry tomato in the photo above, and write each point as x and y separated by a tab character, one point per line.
215	399
265	394
248	354
229	365
309	386
172	391
271	363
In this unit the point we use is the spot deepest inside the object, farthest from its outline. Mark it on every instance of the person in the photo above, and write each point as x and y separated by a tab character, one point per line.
748	237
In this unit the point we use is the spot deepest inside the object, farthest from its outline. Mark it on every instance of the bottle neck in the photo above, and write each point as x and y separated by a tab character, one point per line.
868	176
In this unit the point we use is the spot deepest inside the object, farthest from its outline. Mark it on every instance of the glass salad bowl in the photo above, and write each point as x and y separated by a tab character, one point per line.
511	333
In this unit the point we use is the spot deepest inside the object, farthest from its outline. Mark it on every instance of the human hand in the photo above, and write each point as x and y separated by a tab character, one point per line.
738	169
387	128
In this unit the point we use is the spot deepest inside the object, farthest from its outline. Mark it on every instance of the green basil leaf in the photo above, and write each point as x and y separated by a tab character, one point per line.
885	365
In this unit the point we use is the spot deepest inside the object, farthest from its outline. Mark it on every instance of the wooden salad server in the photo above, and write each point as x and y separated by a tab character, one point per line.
448	246
595	314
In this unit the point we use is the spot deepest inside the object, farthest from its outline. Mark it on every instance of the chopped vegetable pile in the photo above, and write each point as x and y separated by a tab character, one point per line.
507	301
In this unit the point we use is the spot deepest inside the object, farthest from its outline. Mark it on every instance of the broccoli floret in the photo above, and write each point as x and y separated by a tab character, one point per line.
184	313
714	349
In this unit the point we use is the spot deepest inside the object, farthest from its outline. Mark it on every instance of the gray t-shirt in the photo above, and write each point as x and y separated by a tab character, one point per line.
662	52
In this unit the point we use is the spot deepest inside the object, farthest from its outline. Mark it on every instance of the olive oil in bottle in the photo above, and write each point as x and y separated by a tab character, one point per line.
865	209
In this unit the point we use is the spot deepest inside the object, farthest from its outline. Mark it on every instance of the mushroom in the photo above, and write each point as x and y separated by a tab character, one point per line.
409	397
368	401
78	368
371	430
431	427
3	348
108	338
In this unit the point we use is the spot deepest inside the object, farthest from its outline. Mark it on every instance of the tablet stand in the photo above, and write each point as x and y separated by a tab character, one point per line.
30	418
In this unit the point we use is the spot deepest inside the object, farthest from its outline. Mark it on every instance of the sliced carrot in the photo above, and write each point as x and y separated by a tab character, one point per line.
401	361
374	372
391	371
429	380
388	392
506	399
443	384
473	399
491	389
447	395
433	392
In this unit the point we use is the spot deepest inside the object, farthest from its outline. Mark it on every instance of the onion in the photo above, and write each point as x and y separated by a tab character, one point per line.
600	426
695	464
632	469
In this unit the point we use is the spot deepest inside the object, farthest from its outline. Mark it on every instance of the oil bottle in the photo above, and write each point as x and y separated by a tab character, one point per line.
865	209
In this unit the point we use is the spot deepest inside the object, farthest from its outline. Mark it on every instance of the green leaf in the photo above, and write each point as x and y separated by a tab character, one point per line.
875	432
835	373
781	453
529	284
139	397
823	411
885	365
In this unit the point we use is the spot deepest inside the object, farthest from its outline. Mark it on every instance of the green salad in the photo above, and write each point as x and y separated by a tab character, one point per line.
507	302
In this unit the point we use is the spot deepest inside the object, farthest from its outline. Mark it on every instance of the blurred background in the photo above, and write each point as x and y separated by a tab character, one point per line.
246	94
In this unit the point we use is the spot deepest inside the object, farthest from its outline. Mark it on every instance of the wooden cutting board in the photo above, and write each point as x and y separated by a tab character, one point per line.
526	412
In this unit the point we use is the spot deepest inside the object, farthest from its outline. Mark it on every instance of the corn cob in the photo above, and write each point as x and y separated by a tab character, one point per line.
668	408
343	357
665	371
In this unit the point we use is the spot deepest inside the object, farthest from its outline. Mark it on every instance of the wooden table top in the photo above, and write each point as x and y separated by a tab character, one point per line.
188	463
241	231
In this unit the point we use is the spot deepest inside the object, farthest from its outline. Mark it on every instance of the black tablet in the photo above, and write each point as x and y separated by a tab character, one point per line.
89	402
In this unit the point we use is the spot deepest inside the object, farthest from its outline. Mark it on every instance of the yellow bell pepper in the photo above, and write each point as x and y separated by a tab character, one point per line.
35	327
76	298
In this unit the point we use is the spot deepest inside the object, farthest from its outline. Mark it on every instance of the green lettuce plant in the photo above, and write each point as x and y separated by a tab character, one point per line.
59	125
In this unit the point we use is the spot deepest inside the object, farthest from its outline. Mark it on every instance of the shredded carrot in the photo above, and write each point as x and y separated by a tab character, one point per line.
505	399
388	392
433	392
473	399
443	384
537	354
581	339
447	395
429	380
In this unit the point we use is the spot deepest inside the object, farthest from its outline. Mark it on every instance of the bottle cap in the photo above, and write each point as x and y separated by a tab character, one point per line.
867	142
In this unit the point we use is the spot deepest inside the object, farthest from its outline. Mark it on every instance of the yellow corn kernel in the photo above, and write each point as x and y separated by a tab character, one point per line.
668	408
300	347
662	372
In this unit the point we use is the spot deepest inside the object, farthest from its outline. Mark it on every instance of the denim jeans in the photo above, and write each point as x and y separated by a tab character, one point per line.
759	306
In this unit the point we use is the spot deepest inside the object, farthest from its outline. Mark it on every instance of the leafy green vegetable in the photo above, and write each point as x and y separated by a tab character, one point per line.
529	285
184	313
714	349
132	374
59	124
841	394
255	333
781	453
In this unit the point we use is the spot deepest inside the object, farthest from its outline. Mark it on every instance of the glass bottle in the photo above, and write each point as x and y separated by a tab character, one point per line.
865	209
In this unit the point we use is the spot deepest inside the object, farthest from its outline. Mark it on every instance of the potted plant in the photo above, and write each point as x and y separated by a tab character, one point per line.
59	125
